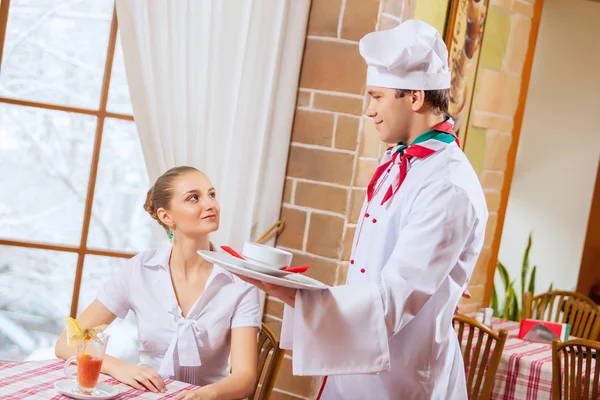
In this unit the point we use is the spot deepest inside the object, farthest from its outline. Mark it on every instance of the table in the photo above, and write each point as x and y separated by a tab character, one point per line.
35	380
525	369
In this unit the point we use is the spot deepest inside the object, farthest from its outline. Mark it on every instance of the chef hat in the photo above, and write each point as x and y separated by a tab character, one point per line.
411	56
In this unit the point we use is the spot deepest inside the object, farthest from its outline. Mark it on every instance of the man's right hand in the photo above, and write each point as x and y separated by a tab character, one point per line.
142	378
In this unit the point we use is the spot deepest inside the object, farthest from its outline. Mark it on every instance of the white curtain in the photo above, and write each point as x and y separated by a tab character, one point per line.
213	85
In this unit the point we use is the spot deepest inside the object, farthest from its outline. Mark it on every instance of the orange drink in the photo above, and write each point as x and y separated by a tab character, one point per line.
90	353
88	371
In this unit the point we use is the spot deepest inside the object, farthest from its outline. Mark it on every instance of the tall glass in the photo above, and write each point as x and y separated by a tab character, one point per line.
90	354
485	315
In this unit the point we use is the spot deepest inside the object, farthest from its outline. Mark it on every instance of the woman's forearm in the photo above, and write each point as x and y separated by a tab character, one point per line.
235	386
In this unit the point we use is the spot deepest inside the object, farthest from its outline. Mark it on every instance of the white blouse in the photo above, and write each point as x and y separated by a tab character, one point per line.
195	348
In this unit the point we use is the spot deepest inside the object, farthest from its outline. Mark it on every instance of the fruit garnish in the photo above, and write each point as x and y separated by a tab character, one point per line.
75	334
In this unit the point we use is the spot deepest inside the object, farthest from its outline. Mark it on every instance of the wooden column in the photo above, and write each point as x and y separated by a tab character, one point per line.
589	273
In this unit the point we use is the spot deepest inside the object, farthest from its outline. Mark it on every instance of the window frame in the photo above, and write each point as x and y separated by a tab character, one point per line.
101	114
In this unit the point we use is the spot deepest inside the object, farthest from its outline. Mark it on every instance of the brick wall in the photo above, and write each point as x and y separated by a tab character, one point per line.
333	153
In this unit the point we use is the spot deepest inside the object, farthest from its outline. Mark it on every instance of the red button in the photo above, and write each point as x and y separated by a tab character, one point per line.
389	170
374	220
367	215
362	270
351	261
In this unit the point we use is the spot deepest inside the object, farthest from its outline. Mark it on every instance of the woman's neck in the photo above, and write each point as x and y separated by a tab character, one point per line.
185	259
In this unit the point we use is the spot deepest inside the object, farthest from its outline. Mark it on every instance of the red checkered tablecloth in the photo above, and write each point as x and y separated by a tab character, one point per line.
35	380
525	369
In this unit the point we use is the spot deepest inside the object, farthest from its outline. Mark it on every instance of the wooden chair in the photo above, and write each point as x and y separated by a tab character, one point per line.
480	368
576	309
270	357
577	380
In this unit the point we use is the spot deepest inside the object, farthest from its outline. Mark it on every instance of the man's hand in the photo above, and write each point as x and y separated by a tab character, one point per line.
466	295
287	295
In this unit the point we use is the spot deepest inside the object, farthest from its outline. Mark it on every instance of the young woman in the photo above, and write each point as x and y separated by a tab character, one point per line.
191	314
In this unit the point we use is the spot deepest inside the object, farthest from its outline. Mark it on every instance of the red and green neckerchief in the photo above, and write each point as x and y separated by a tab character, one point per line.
423	146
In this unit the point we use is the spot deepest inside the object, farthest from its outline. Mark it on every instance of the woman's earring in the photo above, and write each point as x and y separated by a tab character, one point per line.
170	235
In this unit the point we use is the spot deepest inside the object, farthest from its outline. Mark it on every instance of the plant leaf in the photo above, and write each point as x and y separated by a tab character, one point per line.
508	305
531	287
550	288
514	305
525	267
506	282
503	275
518	310
494	303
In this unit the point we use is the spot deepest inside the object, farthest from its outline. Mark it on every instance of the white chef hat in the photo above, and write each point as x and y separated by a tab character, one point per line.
410	56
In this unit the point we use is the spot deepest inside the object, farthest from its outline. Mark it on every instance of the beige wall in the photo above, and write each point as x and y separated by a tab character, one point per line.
559	150
494	127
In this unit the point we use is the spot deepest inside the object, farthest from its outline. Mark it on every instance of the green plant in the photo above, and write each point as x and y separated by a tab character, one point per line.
512	308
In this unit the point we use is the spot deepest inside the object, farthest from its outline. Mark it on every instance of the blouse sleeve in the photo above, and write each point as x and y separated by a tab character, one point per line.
247	313
114	294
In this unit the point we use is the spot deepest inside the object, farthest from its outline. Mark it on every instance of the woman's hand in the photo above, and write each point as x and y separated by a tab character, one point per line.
200	394
142	378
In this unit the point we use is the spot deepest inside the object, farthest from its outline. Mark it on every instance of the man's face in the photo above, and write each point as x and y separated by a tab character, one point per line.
392	115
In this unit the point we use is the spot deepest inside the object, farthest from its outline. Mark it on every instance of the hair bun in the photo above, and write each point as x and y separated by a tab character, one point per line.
149	204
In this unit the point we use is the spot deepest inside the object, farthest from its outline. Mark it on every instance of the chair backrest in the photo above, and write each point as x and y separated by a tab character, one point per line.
575	369
575	309
481	360
270	357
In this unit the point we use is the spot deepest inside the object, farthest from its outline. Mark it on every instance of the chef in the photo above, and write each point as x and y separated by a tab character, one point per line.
387	333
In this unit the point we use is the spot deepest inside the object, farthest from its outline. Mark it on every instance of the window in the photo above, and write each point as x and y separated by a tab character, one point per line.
71	170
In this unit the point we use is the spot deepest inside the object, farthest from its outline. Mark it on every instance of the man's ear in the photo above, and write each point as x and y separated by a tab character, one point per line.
417	98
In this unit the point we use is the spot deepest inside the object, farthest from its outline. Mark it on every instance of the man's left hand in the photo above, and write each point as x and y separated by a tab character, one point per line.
466	295
287	295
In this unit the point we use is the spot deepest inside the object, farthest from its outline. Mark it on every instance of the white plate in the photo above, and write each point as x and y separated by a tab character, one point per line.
237	266
68	387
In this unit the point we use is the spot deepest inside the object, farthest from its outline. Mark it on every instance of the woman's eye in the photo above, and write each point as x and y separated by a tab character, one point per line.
193	198
213	195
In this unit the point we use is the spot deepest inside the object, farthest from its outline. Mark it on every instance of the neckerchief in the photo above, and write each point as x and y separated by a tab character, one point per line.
423	146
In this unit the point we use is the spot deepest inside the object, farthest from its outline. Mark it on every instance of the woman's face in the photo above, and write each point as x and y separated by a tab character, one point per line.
193	209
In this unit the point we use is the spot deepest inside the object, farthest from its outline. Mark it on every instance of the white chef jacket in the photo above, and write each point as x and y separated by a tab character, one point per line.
194	348
387	333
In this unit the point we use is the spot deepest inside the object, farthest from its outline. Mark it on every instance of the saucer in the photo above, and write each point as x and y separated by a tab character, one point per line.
239	267
69	388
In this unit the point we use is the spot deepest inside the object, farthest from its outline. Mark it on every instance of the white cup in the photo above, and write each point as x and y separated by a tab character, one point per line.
269	256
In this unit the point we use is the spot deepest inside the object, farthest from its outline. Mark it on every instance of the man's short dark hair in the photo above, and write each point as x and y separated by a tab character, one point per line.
437	99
